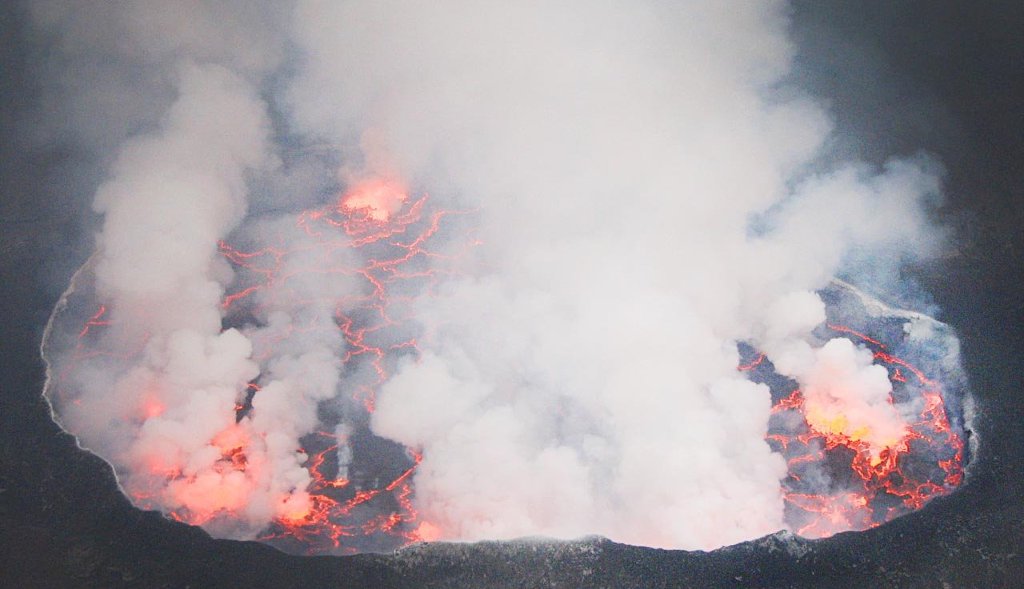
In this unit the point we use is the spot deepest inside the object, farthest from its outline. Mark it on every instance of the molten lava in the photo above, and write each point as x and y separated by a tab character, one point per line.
374	200
886	470
376	219
375	234
890	472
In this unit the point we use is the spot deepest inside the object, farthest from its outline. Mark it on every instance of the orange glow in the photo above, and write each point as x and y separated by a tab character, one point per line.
152	406
396	233
375	199
161	467
874	453
208	494
427	532
375	214
295	509
826	421
390	237
231	439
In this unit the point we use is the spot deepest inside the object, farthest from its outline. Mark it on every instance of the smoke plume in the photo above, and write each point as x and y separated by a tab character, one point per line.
644	188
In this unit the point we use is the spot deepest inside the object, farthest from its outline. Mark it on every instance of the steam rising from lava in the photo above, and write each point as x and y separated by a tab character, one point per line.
620	194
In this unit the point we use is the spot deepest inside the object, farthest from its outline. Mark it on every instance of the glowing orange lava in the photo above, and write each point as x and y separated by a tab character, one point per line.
891	475
152	406
428	532
375	216
379	238
375	199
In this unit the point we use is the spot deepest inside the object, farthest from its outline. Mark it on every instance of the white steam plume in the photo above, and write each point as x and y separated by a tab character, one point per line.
584	381
166	419
649	192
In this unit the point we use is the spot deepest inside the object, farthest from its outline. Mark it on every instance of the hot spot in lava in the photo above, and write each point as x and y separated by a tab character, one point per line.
849	469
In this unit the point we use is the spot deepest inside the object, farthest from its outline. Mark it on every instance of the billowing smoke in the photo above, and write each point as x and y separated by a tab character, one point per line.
640	189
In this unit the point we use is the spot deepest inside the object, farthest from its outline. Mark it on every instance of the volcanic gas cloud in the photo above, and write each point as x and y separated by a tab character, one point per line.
377	272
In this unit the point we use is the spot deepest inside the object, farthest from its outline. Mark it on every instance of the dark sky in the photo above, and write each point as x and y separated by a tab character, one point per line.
947	78
901	76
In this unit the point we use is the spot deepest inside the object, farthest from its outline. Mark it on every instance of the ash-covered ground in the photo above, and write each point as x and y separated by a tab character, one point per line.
63	522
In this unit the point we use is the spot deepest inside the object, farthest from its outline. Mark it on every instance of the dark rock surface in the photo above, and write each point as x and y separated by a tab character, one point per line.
944	77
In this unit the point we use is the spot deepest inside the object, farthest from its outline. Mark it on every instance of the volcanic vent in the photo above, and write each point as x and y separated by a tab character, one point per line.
883	461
